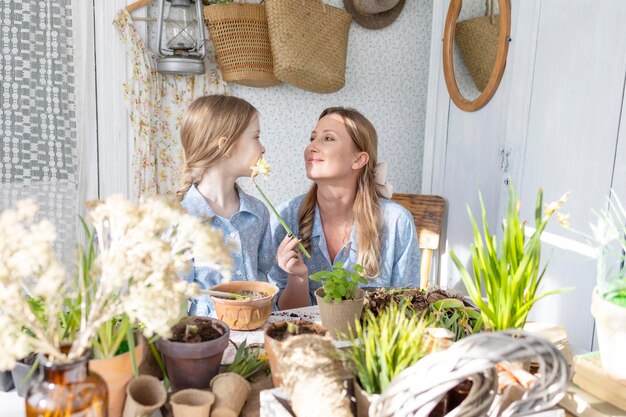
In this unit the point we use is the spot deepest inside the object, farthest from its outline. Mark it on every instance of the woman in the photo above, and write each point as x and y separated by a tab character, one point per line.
345	217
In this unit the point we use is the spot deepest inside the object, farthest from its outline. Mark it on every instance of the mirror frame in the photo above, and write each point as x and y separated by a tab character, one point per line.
498	69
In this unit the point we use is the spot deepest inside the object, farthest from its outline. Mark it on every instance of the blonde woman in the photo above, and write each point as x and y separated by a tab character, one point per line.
220	140
346	216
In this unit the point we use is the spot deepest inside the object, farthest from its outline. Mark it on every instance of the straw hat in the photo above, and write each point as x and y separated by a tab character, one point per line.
374	14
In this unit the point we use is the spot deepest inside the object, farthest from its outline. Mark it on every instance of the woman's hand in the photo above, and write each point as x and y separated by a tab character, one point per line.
289	259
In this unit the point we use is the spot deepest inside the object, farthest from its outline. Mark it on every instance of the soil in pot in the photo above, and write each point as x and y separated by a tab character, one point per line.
380	298
278	333
194	331
251	295
282	330
193	354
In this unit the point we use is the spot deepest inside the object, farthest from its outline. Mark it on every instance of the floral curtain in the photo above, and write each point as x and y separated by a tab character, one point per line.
39	152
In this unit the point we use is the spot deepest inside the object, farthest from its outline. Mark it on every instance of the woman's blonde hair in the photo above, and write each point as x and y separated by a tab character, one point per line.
366	209
207	120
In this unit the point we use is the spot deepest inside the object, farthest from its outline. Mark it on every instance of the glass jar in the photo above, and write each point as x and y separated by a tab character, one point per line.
67	390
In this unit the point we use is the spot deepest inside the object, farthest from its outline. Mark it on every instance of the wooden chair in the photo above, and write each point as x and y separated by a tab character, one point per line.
427	213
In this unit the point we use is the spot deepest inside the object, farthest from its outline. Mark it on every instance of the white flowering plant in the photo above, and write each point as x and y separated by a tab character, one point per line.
128	279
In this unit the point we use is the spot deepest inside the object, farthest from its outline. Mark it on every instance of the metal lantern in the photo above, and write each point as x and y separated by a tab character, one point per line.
181	38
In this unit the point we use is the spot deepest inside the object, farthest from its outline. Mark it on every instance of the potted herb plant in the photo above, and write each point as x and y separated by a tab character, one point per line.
608	304
508	273
384	346
339	299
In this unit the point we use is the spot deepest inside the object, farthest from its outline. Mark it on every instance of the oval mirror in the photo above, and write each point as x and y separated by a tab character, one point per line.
475	46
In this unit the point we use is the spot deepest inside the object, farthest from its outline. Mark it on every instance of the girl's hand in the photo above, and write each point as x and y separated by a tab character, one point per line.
289	259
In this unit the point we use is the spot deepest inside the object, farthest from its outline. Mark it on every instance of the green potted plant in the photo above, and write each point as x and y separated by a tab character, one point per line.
339	299
508	273
608	304
384	346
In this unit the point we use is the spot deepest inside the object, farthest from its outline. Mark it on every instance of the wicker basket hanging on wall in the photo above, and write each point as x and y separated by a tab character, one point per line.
240	35
477	39
309	43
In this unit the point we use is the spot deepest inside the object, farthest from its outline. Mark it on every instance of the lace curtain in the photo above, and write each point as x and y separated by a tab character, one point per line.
39	153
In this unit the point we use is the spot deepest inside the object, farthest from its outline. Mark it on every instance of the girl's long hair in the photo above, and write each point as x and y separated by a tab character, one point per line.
206	121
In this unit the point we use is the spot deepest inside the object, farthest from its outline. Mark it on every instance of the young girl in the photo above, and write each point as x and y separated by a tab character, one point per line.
346	216
220	139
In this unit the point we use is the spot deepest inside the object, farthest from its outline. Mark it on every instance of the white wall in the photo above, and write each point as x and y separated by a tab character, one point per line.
560	122
386	79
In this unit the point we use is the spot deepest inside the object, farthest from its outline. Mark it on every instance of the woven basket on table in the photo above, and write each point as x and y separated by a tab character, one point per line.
242	44
309	43
477	39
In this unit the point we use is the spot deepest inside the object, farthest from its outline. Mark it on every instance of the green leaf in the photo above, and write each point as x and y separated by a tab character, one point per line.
507	274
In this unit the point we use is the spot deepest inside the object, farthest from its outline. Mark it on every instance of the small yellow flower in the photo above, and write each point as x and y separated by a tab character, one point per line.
261	167
563	219
556	205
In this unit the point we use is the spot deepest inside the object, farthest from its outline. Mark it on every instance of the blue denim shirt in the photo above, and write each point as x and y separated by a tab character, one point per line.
400	254
248	230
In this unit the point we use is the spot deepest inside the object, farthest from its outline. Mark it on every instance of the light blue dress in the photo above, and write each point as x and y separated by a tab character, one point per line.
248	230
400	254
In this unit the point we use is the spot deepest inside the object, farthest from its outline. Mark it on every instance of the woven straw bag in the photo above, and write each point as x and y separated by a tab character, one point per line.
242	44
309	43
477	39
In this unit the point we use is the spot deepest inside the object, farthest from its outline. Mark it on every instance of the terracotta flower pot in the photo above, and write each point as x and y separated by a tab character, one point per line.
192	403
275	337
339	316
611	327
193	365
245	314
116	372
231	393
144	395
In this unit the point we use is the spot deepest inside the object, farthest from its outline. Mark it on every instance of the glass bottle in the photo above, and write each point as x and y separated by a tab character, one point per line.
67	390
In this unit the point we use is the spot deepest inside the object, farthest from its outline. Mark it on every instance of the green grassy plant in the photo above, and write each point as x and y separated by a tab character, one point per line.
508	274
386	345
247	361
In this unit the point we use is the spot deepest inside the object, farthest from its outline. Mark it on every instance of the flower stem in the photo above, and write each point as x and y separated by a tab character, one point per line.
130	339
280	219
